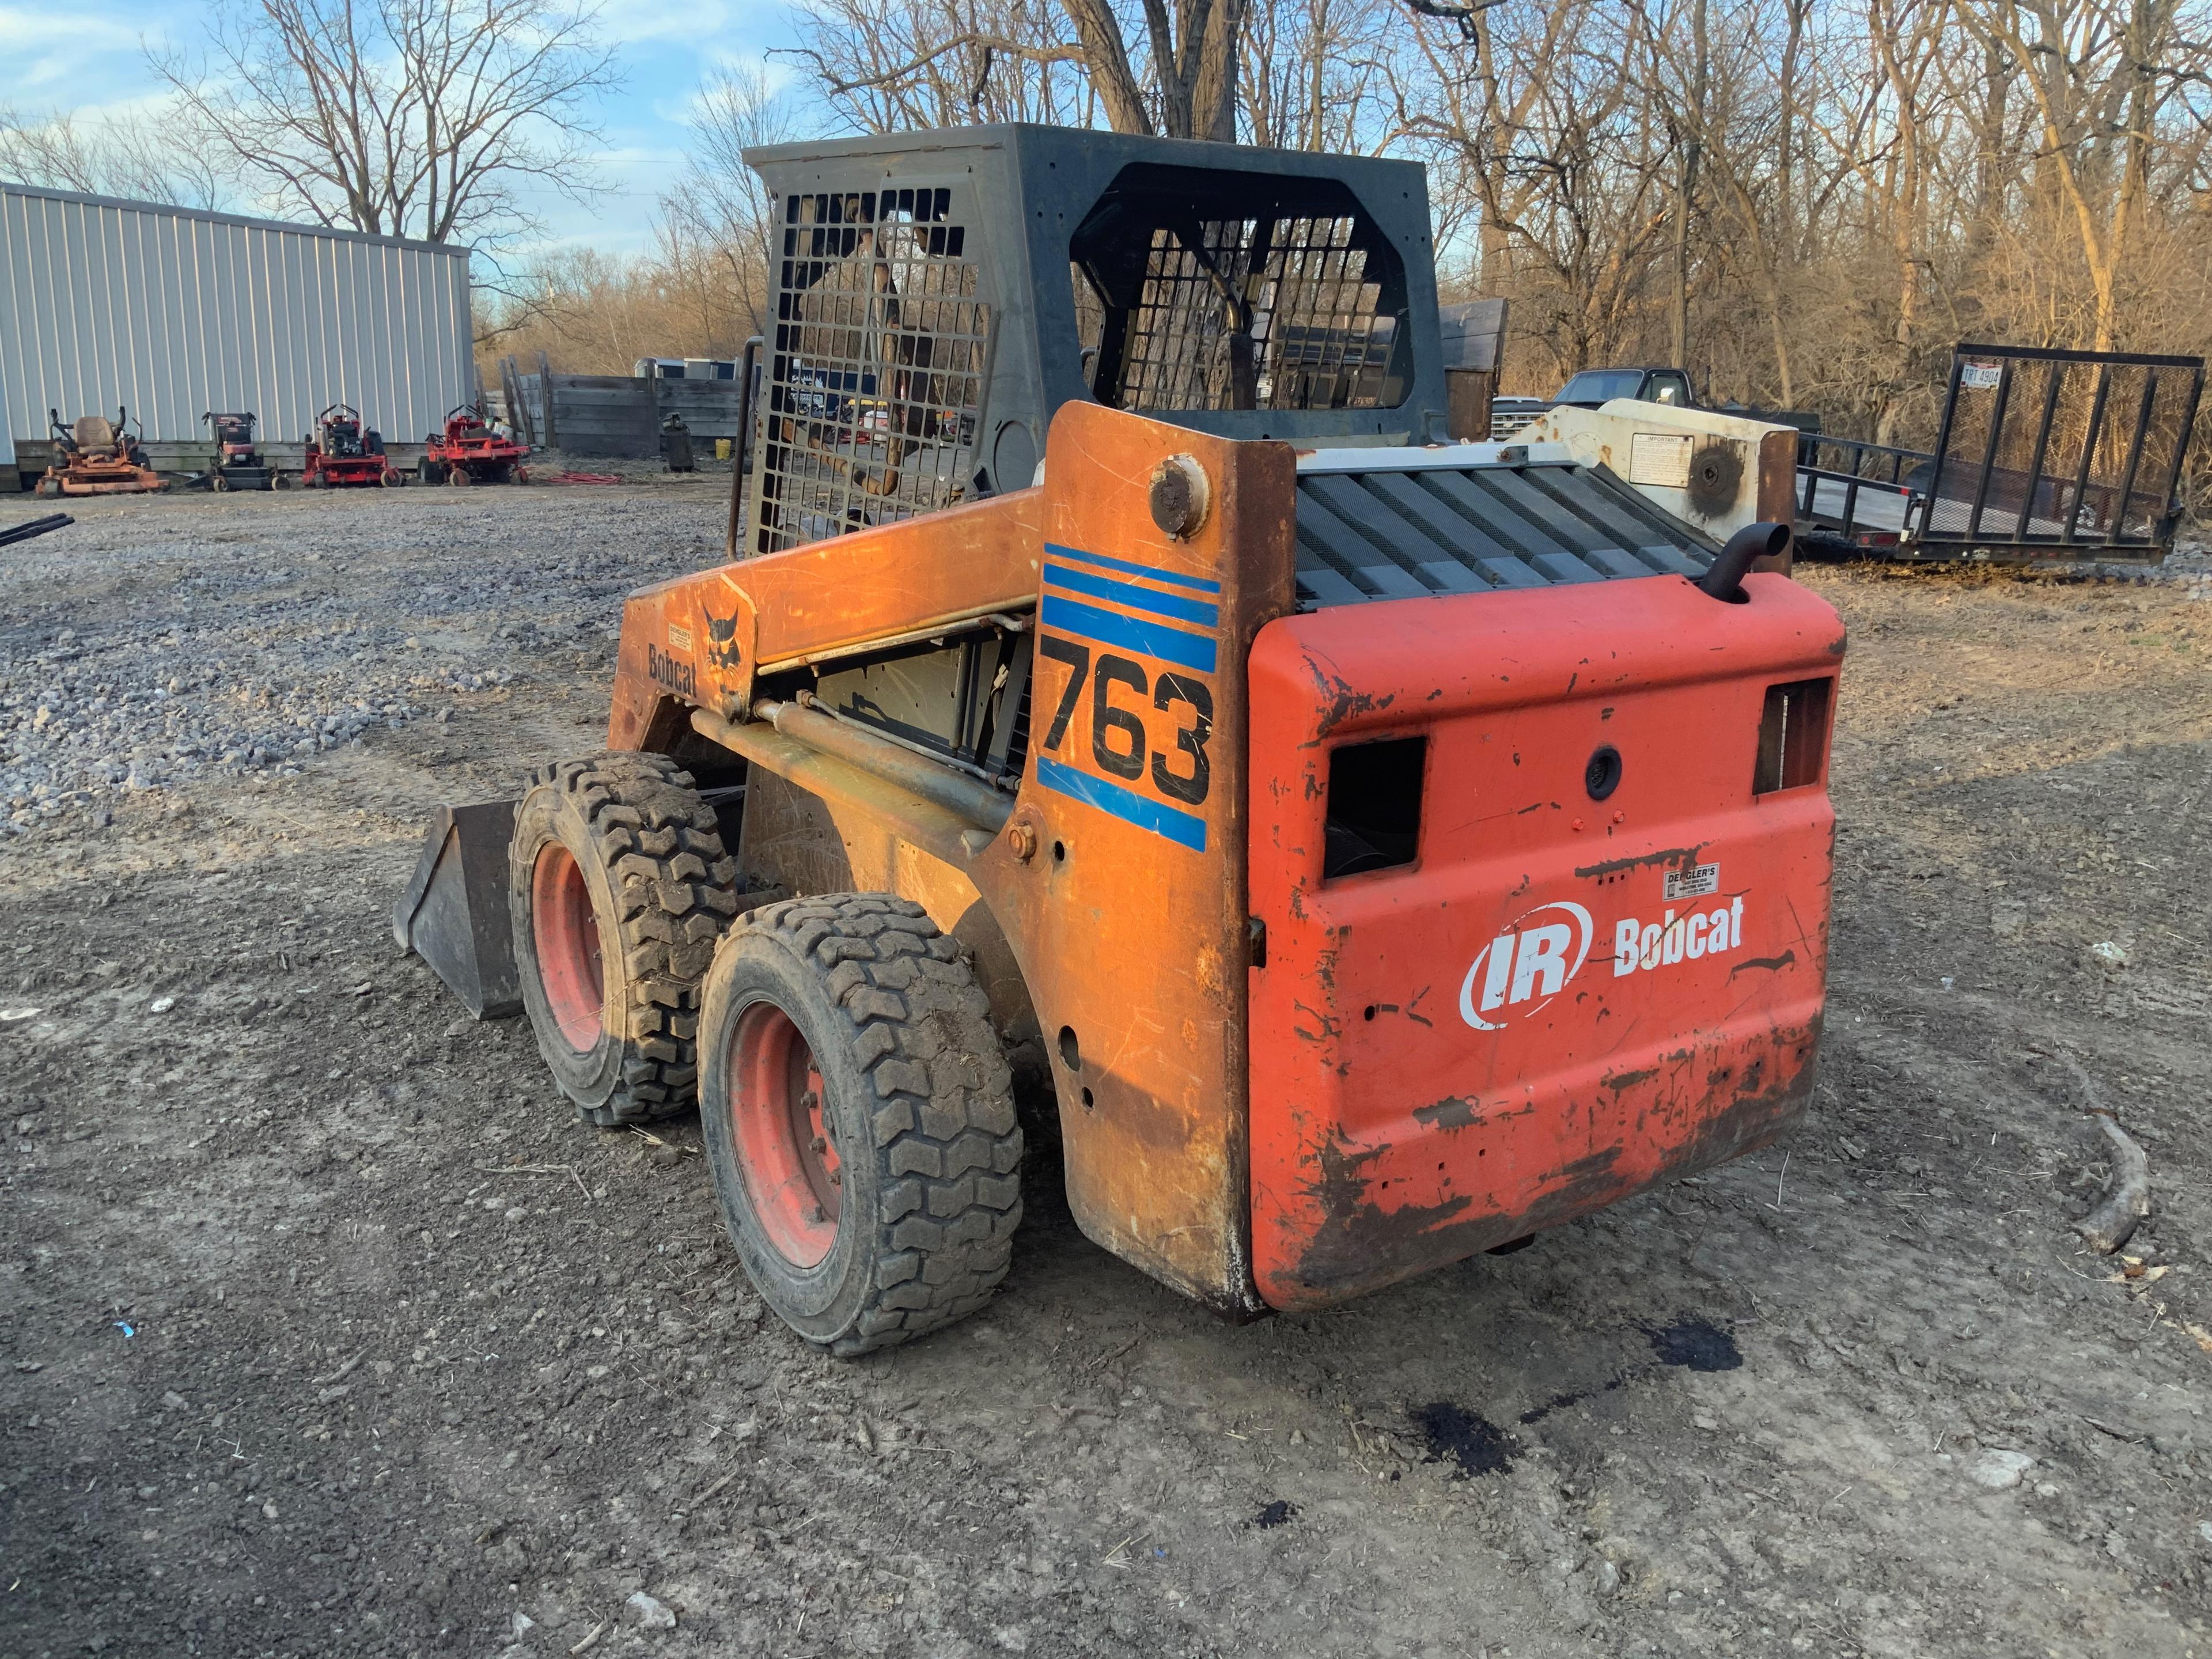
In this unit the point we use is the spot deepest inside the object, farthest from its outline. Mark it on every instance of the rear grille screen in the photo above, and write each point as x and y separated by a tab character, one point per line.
1237	294
1390	534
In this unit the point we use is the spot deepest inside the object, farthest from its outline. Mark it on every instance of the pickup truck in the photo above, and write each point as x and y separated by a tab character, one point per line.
1590	388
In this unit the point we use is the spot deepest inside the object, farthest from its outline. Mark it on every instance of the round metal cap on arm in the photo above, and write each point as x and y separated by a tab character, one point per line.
1724	580
1180	494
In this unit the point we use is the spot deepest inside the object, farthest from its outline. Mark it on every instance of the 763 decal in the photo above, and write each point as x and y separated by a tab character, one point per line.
1141	644
1121	743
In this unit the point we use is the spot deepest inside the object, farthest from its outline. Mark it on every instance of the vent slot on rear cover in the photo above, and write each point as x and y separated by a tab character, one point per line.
1373	806
1792	736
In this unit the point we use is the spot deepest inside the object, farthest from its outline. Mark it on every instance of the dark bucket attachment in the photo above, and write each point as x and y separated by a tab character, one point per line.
454	912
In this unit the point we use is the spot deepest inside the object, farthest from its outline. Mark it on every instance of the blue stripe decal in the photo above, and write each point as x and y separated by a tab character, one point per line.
1186	828
1197	583
1137	598
1109	628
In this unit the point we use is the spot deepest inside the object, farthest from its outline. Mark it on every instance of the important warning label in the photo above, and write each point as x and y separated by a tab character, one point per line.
1660	458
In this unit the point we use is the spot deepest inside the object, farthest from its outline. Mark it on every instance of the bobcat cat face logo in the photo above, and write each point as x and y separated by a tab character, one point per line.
722	650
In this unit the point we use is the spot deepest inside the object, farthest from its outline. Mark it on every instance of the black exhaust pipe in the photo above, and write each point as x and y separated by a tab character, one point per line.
23	532
1763	540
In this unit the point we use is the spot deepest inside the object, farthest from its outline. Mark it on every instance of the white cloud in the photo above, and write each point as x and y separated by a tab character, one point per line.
688	21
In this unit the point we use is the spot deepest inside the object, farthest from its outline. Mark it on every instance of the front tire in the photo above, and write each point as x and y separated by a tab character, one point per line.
619	888
859	1118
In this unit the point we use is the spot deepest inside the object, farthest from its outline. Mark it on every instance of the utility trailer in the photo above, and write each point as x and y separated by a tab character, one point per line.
1373	849
2042	455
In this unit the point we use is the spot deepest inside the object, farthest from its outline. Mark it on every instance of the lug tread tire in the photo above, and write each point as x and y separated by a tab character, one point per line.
948	1144
676	892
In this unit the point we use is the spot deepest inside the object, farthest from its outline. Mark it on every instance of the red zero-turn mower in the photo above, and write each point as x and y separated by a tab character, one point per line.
341	453
469	452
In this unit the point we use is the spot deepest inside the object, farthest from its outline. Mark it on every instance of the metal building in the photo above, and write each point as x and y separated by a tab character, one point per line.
171	312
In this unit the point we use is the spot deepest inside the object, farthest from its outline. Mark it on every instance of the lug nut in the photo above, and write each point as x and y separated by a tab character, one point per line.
836	1177
819	1144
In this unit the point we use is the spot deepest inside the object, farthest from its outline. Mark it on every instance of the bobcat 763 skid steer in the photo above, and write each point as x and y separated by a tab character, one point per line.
1387	847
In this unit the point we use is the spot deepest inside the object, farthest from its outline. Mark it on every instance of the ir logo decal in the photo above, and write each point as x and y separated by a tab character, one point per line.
1527	965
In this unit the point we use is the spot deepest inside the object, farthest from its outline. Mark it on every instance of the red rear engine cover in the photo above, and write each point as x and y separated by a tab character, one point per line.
1561	999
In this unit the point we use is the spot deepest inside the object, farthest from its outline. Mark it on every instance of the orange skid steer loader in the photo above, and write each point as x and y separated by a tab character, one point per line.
1387	847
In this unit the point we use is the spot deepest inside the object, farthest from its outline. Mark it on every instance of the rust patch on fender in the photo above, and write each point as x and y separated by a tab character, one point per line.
1648	860
1368	1242
1450	1113
1339	702
1775	963
1361	1237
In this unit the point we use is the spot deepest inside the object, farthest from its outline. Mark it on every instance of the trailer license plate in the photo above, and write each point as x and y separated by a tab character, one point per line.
1699	881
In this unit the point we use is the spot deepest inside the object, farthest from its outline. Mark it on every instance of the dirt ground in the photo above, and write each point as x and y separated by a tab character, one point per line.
325	1329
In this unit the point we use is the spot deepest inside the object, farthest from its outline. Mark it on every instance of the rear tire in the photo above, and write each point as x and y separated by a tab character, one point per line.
859	1118
619	888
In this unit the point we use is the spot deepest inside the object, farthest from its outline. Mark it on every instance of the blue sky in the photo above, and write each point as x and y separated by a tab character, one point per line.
88	60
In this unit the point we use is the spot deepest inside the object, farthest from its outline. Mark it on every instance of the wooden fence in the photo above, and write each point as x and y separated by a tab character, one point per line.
618	414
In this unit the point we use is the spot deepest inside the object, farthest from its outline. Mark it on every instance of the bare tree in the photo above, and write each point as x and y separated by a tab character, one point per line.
1875	180
110	155
719	206
2100	73
889	65
1314	75
1164	67
407	118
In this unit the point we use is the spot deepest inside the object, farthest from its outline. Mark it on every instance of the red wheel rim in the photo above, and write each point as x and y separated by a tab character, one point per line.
786	1147
566	935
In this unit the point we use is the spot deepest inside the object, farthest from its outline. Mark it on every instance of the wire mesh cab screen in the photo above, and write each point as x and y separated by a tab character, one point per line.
1200	290
875	379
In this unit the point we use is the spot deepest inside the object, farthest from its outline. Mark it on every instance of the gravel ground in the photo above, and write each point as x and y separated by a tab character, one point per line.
326	1330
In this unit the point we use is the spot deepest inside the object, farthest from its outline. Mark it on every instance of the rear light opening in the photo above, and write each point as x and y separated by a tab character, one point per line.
1792	736
1374	819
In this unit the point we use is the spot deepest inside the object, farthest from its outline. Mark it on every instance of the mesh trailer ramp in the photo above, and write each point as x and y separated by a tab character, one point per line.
2042	456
